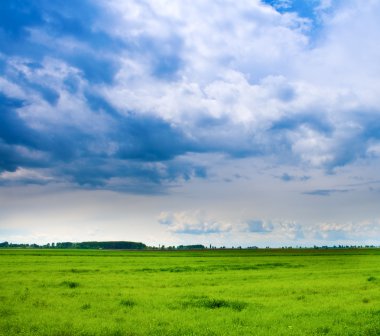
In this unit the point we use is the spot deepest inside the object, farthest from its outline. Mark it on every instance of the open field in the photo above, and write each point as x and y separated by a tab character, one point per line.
211	292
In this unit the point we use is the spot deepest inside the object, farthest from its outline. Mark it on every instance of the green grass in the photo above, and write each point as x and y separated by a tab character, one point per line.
212	292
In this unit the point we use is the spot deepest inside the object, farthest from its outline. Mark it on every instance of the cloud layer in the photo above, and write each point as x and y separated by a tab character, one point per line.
270	232
116	95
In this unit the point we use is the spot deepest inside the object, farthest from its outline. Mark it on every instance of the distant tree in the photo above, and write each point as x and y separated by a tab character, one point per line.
191	247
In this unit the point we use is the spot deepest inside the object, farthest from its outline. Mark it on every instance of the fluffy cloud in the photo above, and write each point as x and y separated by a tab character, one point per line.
260	226
289	230
363	230
195	222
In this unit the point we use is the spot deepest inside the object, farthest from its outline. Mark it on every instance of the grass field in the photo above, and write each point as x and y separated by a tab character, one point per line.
211	292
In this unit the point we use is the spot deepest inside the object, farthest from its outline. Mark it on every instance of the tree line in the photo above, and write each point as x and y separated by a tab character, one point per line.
107	245
128	245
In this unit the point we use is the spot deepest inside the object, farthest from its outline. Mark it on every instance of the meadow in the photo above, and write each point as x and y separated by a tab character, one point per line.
209	292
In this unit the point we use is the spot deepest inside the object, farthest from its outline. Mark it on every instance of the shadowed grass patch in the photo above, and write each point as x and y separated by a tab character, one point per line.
39	303
213	268
6	312
83	270
86	306
127	303
70	284
322	330
213	303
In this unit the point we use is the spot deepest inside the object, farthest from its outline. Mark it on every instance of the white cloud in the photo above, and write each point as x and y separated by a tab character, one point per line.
192	222
22	174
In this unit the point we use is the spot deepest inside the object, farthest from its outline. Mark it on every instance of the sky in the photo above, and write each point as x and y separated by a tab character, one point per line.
248	123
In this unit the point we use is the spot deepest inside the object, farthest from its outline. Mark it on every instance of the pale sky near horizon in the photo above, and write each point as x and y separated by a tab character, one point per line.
252	123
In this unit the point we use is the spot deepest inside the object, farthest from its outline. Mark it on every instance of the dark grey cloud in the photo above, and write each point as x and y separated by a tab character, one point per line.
145	149
315	120
288	178
325	192
149	139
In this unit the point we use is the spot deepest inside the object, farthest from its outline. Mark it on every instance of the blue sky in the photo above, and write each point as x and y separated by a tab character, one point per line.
180	122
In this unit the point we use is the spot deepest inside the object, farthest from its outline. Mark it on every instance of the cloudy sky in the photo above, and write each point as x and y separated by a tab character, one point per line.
177	122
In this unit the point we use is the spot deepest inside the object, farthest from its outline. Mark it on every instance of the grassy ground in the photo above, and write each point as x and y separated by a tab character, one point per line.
240	292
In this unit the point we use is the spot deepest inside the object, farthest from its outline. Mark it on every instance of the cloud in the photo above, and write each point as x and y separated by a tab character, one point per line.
24	176
280	4
276	227
194	223
332	235
288	178
119	105
292	230
259	226
319	233
362	230
325	192
201	223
